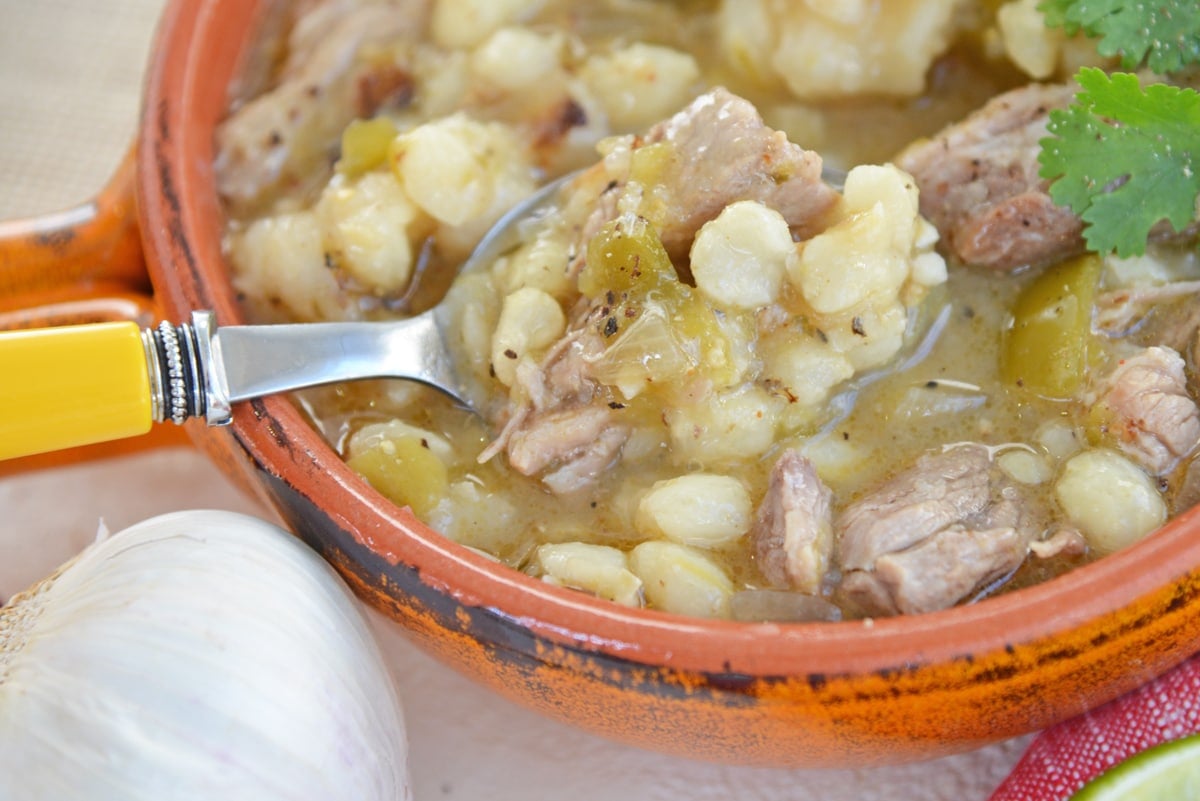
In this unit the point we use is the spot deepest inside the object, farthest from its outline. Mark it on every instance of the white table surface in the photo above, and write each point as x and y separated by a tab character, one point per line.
69	82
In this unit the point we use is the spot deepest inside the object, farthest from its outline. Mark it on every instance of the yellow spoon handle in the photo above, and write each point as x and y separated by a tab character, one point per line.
74	385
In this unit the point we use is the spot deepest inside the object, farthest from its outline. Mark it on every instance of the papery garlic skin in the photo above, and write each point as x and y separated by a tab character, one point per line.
197	655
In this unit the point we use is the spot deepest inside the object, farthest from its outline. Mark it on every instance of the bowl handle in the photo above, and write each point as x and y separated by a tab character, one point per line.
81	265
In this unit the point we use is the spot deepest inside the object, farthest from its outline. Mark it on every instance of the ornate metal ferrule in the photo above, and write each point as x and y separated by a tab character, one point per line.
179	359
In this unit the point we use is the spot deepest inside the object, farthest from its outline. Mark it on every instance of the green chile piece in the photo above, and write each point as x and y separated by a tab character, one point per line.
406	471
1046	343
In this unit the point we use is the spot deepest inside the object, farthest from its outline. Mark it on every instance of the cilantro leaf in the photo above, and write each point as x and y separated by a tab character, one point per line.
1124	158
1165	34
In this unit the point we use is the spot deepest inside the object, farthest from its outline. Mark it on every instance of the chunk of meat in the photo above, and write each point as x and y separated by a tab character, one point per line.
723	152
288	135
980	186
1146	408
793	530
570	447
581	467
563	435
561	429
928	538
565	374
940	490
936	573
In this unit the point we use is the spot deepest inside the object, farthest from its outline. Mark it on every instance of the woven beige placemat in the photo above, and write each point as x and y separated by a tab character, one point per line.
70	85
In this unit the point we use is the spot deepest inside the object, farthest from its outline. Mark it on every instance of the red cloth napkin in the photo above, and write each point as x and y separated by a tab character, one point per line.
1063	758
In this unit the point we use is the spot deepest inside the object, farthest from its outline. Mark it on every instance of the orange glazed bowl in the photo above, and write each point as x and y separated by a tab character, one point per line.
849	693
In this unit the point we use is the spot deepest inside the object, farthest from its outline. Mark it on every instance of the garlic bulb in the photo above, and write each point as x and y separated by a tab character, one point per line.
197	655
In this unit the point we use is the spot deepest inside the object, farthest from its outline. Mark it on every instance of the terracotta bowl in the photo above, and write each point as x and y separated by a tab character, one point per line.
829	694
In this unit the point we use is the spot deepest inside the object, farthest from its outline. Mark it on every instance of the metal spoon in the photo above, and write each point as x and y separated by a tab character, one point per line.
80	384
75	385
220	366
237	362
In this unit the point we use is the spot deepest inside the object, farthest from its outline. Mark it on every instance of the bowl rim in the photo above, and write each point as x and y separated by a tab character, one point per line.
196	52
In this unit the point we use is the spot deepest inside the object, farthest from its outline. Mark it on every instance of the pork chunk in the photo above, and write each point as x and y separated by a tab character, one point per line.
793	530
940	490
980	186
930	537
721	152
562	430
575	443
960	558
583	466
1146	408
725	153
287	135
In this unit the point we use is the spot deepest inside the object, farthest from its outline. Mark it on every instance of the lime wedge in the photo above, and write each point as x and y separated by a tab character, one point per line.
1170	770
